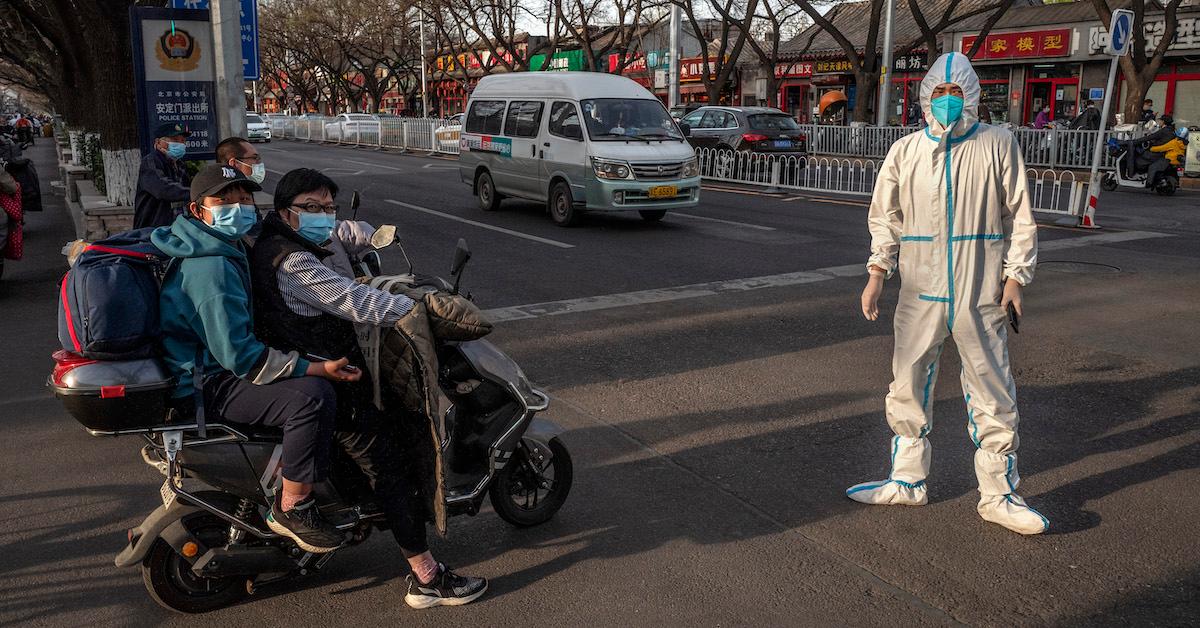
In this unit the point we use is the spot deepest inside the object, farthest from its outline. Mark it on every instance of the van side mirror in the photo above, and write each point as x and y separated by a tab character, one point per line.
686	129
572	131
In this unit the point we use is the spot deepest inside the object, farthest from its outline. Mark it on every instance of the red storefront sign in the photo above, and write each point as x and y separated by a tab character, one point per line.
797	69
691	70
1048	43
636	64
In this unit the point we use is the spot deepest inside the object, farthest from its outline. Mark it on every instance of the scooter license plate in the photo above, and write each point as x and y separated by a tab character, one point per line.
168	495
663	191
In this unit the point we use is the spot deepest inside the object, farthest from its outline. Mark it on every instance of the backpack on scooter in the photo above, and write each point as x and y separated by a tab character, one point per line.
108	302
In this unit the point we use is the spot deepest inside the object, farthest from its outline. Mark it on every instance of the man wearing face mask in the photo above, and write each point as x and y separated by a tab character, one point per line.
238	153
951	212
162	181
209	346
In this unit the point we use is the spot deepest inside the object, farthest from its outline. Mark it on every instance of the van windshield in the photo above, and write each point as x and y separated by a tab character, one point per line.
620	119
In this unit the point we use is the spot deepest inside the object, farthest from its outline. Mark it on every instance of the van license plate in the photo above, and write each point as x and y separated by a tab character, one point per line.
168	496
663	191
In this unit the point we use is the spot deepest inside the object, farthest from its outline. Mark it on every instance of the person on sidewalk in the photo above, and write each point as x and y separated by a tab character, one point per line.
162	181
304	305
208	332
239	153
951	210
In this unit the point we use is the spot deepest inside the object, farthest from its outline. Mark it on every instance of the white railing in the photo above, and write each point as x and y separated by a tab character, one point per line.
1042	148
415	134
1051	191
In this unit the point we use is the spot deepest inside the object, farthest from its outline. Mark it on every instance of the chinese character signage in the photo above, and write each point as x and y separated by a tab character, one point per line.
835	66
567	60
692	70
1187	35
249	32
174	76
794	69
1048	43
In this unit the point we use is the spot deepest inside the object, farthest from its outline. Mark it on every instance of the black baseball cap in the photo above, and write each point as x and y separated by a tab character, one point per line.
170	129
214	178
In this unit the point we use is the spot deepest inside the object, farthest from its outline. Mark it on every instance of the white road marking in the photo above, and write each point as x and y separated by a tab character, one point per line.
276	172
1099	238
725	222
691	291
367	163
483	225
440	167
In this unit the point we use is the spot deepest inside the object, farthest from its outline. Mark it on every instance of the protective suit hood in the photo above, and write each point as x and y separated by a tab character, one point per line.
952	67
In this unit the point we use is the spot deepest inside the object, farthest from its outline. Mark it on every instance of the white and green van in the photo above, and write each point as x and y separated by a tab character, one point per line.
575	141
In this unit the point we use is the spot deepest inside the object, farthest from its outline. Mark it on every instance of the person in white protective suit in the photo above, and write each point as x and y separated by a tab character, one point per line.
951	212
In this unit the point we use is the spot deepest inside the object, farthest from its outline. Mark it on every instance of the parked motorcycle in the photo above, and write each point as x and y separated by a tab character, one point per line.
208	547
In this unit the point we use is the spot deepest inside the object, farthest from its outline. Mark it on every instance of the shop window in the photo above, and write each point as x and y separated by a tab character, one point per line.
1187	103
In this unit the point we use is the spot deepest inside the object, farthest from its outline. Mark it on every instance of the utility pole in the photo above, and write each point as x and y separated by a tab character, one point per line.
231	91
885	83
424	70
673	59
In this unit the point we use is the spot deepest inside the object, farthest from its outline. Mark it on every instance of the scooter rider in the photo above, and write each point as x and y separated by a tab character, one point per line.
207	329
304	305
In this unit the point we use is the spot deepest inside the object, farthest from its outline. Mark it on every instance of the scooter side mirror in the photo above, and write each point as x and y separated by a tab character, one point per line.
462	254
383	237
354	202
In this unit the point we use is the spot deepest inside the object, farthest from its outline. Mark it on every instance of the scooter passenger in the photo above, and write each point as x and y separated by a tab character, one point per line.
208	330
302	304
1170	153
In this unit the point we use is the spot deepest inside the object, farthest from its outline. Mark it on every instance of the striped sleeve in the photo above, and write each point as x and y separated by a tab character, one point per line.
309	288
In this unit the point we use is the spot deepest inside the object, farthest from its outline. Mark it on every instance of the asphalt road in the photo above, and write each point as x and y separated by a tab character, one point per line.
721	391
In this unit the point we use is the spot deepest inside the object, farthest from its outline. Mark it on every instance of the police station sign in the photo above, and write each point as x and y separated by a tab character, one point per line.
174	75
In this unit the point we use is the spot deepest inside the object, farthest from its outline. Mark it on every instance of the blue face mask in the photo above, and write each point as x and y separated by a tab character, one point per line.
316	228
176	150
234	220
947	109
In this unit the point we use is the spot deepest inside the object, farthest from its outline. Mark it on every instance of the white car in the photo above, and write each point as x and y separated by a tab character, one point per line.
448	133
257	129
353	127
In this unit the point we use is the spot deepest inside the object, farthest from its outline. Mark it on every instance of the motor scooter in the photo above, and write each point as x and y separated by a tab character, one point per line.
1123	151
208	547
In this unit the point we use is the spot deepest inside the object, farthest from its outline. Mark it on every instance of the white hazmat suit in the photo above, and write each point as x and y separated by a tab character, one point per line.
951	211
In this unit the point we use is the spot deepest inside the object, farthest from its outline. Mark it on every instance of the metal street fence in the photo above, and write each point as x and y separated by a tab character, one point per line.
431	135
1042	148
1052	191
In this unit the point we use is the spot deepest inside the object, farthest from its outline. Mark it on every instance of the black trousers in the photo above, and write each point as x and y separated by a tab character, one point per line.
305	407
371	441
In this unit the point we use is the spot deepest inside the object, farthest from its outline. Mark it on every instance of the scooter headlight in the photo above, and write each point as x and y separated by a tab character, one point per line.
611	169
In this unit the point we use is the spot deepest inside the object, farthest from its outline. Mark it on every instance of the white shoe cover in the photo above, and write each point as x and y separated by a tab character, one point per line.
906	485
1013	513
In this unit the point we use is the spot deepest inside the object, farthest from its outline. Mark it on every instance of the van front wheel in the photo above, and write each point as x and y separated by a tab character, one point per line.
562	206
653	215
485	189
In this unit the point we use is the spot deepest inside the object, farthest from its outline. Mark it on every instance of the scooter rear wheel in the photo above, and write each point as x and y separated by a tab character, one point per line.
527	492
1108	182
169	579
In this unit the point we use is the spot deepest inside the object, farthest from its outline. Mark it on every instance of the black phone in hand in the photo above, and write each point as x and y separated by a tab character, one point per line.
1013	319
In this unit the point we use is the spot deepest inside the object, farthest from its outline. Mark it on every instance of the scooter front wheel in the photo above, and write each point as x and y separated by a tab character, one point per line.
170	581
529	491
1108	182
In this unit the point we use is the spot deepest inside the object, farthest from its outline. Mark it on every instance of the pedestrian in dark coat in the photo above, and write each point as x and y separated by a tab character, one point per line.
163	184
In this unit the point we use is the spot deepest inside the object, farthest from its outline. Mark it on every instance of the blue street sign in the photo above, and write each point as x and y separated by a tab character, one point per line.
1120	33
249	13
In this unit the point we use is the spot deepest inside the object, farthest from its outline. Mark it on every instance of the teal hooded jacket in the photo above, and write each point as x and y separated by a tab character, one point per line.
204	309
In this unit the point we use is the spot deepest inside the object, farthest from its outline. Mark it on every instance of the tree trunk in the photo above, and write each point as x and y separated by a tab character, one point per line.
1136	86
864	94
120	174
